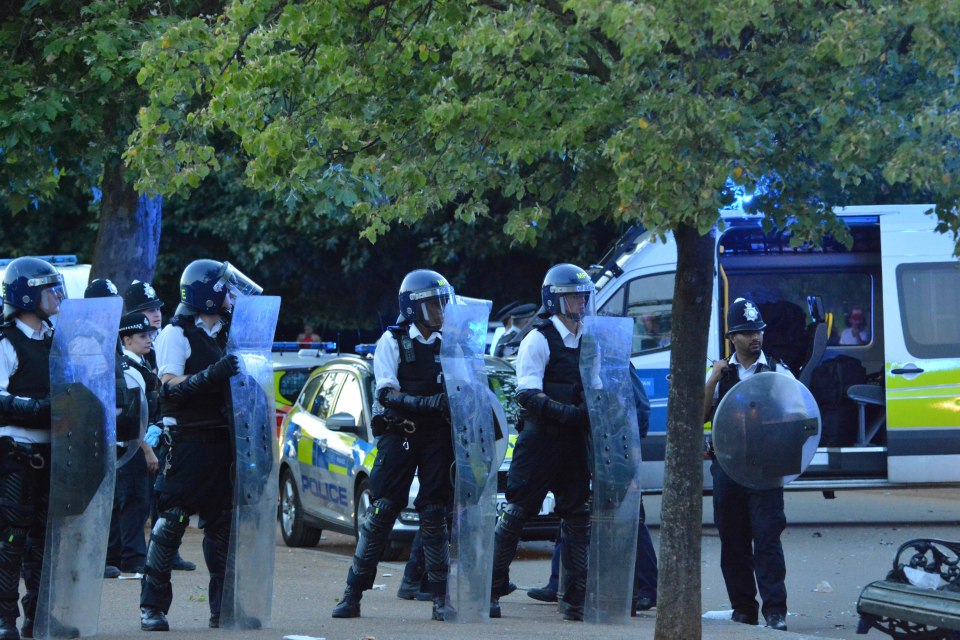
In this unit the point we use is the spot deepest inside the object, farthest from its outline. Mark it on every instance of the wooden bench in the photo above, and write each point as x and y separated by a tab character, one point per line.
907	612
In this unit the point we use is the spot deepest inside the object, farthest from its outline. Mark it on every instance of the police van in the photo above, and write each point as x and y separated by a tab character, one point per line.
872	330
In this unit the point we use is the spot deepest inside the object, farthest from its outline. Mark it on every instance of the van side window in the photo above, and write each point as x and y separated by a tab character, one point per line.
649	301
929	295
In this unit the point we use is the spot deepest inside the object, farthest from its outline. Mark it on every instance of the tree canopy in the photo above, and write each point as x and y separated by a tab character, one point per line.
530	112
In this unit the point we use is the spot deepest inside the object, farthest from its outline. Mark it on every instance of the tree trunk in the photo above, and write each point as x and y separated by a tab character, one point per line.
129	231
679	598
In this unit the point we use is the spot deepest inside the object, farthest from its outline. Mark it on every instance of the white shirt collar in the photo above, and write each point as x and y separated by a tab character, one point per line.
415	334
44	331
562	328
761	360
211	331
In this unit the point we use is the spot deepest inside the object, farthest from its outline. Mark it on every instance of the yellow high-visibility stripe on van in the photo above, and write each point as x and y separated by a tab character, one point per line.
305	451
337	469
932	403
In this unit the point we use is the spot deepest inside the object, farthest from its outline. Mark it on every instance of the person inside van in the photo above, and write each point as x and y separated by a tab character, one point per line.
857	332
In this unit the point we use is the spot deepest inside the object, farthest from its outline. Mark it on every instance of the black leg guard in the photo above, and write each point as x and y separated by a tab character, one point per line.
216	545
576	545
436	554
374	534
506	537
12	546
156	591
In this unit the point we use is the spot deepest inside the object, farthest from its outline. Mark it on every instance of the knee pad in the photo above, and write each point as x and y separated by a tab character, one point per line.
512	520
170	527
381	515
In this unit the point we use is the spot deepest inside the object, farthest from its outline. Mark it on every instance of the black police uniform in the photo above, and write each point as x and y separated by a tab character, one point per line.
197	478
749	522
550	456
412	442
24	482
126	548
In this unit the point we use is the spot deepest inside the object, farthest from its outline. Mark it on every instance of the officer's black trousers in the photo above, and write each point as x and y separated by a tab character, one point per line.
750	522
198	479
429	455
547	459
24	498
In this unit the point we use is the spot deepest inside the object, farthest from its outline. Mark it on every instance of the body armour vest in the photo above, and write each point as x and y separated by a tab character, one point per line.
209	409
32	377
561	377
420	374
152	388
731	376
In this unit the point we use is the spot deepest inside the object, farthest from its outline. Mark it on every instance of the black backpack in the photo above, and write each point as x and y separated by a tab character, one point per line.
832	378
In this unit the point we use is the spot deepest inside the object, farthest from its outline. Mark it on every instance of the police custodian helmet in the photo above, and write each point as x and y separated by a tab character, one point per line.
417	289
23	282
743	316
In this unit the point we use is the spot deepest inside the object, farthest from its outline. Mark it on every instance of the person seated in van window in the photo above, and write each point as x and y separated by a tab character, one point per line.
857	332
307	336
655	336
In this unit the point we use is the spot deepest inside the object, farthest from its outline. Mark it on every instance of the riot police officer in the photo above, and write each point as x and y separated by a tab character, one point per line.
141	297
551	453
414	431
748	520
32	292
194	371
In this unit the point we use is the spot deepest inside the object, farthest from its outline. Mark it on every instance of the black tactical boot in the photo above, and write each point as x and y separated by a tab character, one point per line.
8	628
439	607
152	619
349	605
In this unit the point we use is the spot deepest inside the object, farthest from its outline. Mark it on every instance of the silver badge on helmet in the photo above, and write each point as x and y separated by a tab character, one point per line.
149	291
750	312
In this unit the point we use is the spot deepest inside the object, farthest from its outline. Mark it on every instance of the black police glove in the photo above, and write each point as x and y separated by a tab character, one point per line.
210	379
26	412
567	415
225	367
422	405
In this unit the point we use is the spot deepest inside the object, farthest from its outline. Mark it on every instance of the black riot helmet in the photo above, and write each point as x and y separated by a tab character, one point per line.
24	281
562	280
743	316
205	283
419	288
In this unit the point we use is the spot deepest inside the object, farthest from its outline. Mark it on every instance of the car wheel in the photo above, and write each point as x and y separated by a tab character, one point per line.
295	532
361	506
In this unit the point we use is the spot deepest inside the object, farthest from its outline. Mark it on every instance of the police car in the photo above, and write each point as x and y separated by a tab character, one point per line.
328	449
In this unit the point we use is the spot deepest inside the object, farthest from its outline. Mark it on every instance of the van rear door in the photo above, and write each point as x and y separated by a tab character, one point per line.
921	299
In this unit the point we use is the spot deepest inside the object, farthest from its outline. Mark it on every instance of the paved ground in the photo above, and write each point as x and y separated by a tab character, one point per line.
844	543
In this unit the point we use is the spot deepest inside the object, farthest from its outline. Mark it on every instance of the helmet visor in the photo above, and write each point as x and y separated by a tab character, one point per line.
238	283
430	304
575	300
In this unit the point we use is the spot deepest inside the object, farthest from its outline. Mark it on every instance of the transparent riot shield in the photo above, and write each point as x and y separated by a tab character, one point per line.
475	451
83	466
766	430
248	585
615	514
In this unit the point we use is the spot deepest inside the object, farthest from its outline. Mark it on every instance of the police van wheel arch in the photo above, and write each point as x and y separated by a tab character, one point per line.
295	532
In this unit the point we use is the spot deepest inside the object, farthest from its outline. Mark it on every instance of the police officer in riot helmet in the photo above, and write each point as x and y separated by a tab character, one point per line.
32	292
414	432
551	453
748	520
194	371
